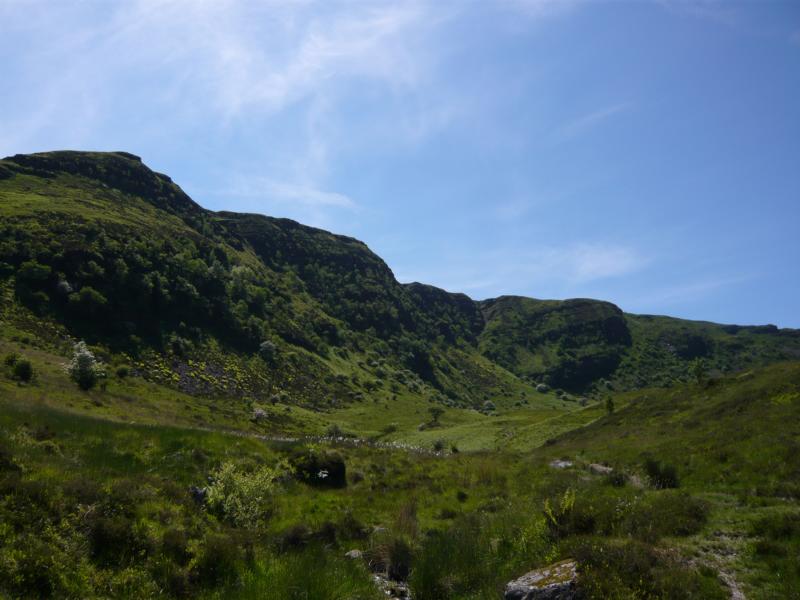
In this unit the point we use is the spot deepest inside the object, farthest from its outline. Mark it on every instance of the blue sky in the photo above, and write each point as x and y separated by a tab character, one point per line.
647	153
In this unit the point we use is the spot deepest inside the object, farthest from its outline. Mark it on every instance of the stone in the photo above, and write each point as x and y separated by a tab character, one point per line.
561	464
554	582
542	388
599	469
354	554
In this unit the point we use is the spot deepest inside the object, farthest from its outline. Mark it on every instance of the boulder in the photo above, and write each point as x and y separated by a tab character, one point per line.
542	388
554	582
599	469
354	554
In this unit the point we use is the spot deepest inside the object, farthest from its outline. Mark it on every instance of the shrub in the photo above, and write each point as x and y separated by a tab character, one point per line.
118	540
123	371
334	431
23	370
268	350
565	517
244	498
632	569
399	560
436	412
216	560
666	513
84	368
661	476
10	359
438	445
320	468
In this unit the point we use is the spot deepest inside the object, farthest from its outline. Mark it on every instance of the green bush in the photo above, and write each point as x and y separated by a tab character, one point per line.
630	569
244	498
84	369
661	476
217	560
23	370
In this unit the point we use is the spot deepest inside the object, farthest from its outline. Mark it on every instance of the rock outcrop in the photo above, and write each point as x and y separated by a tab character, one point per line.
554	582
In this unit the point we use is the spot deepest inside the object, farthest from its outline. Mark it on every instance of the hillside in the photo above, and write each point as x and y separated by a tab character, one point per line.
269	397
119	255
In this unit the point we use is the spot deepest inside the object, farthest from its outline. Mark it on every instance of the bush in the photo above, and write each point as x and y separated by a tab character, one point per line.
123	371
244	498
661	476
216	560
635	570
565	516
23	370
320	468
10	359
84	369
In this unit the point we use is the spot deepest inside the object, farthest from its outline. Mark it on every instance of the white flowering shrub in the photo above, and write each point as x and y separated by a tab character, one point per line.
84	369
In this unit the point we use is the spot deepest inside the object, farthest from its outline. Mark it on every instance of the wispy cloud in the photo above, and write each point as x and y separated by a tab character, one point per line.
718	11
569	268
585	122
260	188
687	292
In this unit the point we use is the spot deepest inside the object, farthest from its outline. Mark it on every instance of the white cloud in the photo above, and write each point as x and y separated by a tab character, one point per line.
687	293
569	268
585	122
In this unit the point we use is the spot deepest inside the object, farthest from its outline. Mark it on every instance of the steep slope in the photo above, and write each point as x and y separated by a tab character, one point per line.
252	306
570	344
218	303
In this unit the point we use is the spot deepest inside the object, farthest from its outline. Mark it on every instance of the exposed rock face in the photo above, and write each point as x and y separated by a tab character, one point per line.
555	582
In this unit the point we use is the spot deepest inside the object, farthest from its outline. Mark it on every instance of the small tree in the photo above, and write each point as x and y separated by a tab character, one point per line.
23	370
610	405
84	369
436	412
698	369
268	350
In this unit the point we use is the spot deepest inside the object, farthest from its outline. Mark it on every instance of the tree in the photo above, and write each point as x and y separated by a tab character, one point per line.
610	405
436	412
698	369
23	370
84	369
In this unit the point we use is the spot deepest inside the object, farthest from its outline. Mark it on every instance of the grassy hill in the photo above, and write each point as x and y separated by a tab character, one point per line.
247	355
119	255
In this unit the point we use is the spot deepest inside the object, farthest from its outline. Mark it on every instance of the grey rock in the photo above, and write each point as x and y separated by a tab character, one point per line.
561	464
554	582
599	469
354	554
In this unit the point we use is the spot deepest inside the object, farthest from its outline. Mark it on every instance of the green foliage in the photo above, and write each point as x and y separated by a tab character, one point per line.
630	569
23	370
84	369
661	476
244	498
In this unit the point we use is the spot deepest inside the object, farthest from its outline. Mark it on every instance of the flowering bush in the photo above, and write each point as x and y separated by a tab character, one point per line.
84	369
